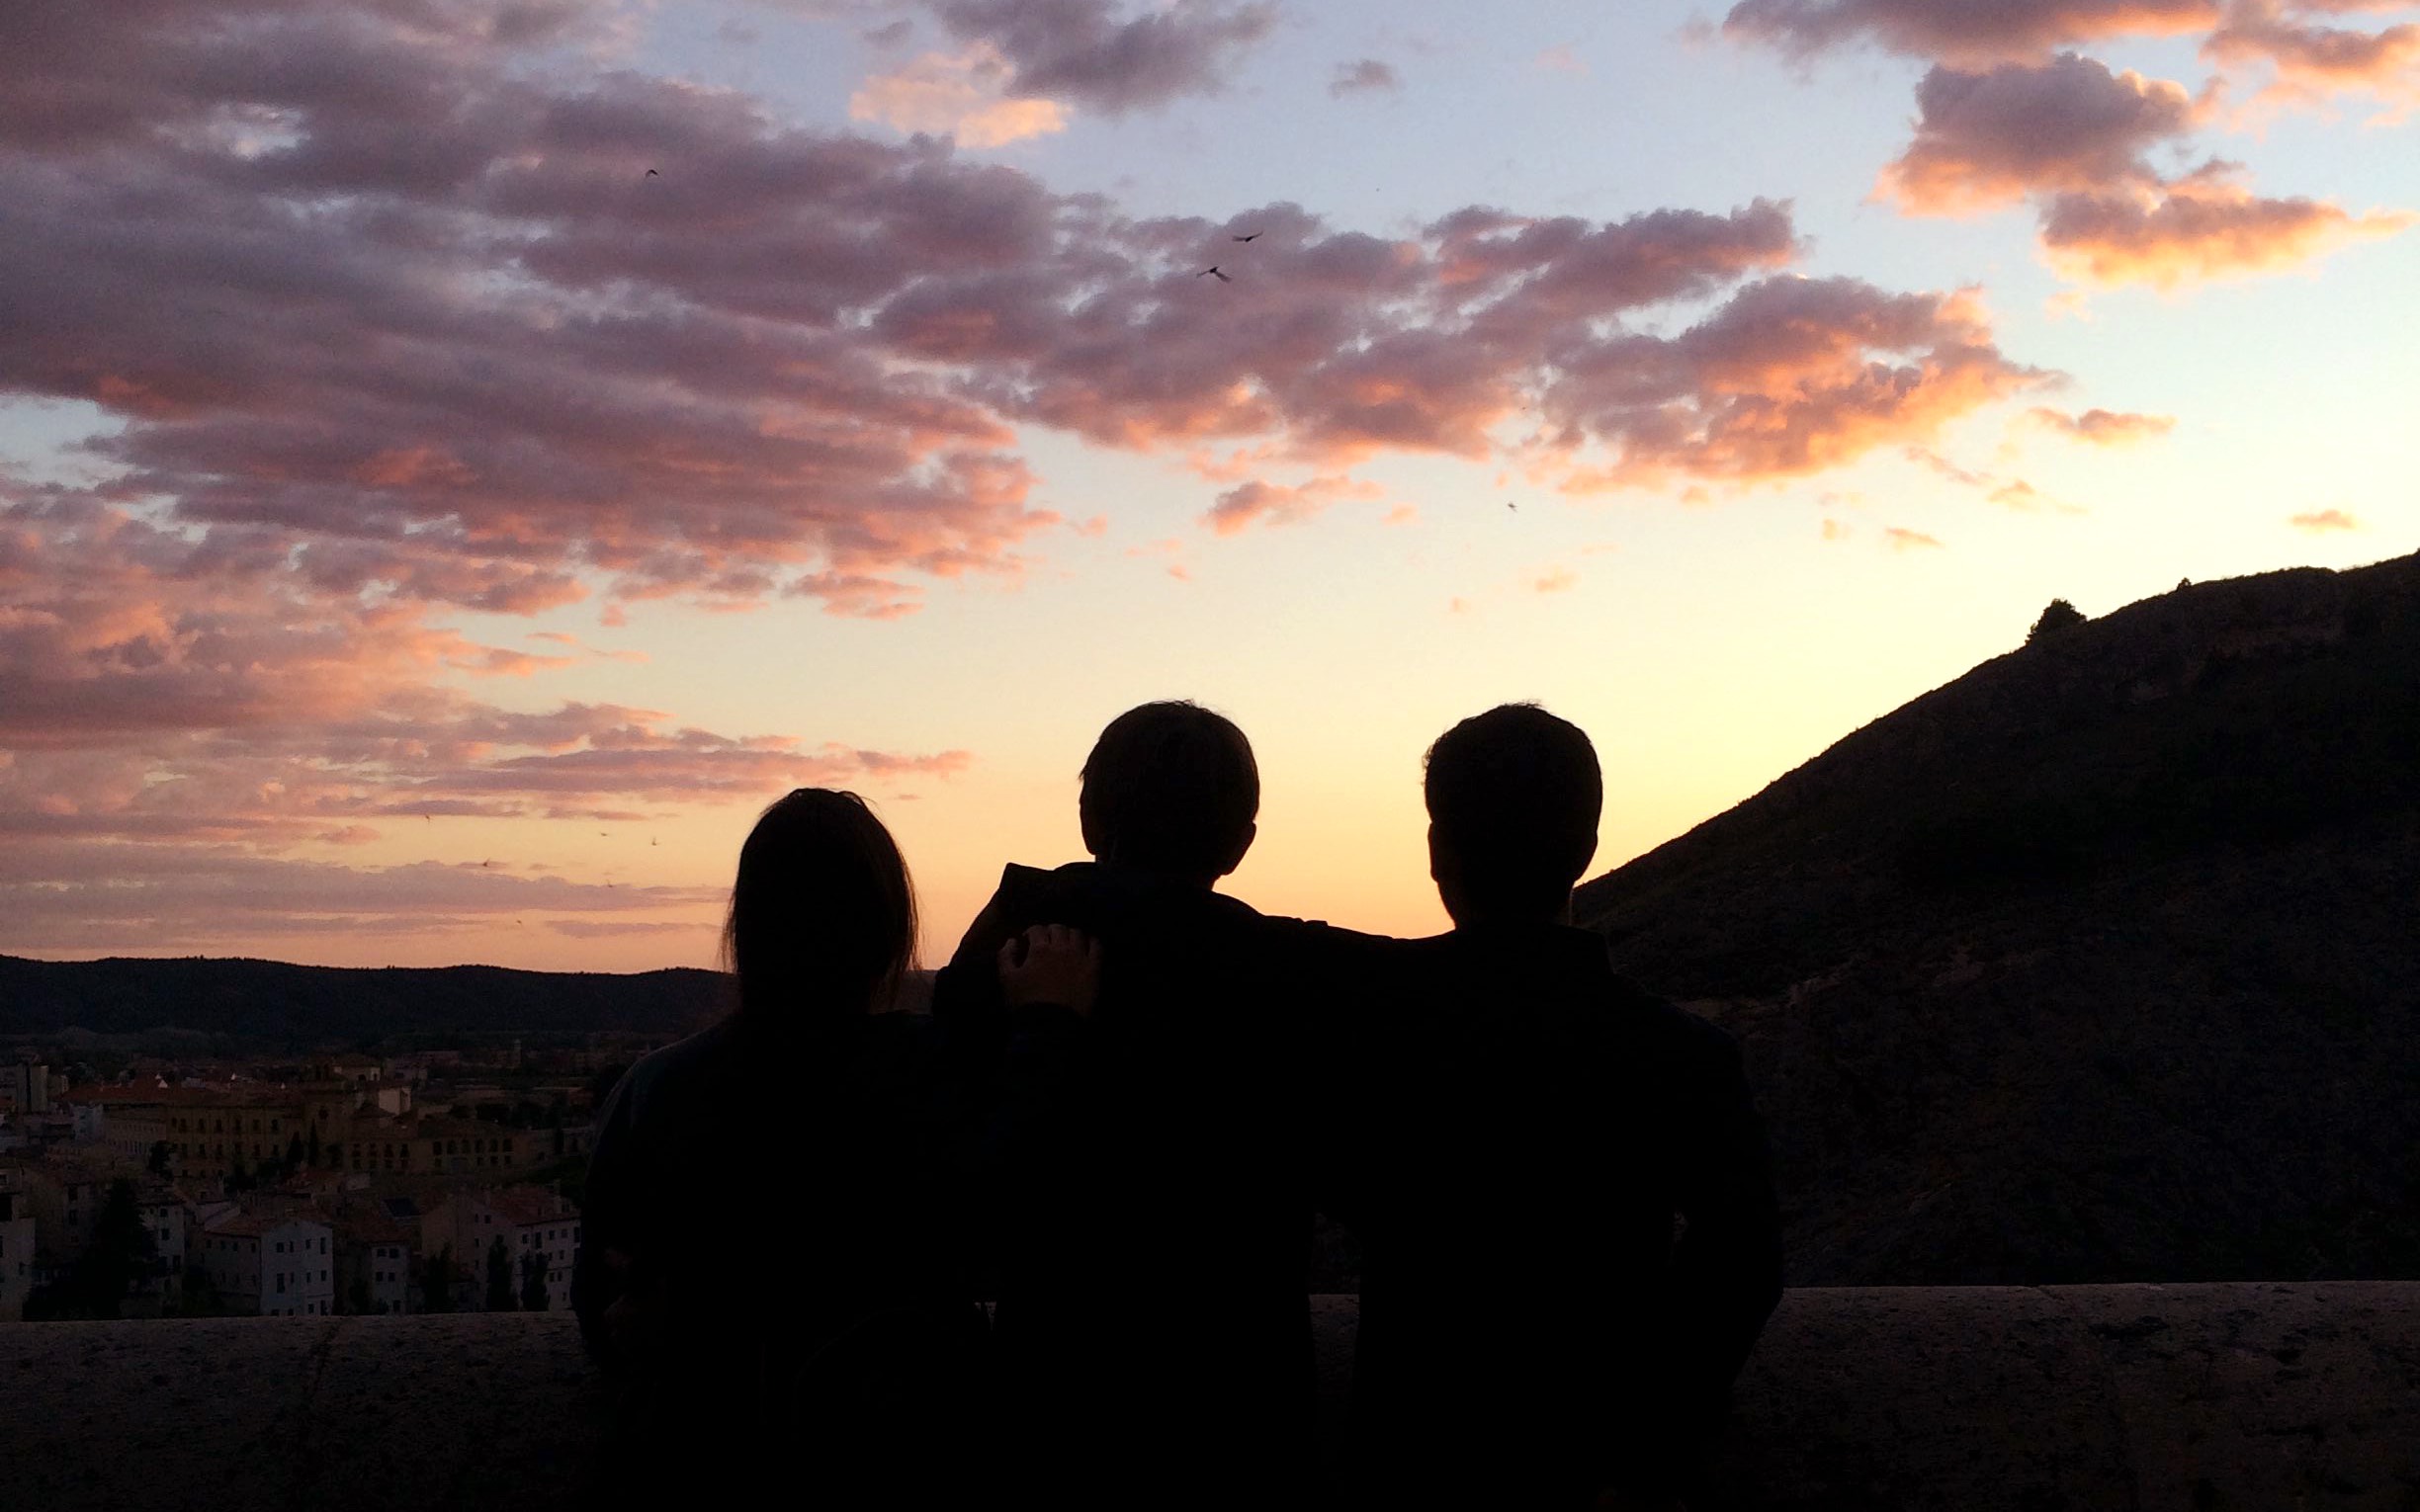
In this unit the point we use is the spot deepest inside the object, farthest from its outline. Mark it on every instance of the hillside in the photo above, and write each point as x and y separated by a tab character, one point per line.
2098	964
300	1006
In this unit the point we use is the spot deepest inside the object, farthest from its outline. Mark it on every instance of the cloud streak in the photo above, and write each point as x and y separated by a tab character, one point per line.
2102	427
2207	226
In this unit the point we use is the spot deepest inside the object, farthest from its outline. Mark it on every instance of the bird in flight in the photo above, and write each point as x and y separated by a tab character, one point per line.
652	174
1515	508
1213	272
1242	239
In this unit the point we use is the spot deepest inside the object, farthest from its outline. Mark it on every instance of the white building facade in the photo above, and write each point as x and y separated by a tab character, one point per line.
271	1267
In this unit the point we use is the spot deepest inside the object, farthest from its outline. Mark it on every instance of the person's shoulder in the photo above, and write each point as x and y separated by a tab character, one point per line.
1025	896
676	1067
1022	887
1688	1051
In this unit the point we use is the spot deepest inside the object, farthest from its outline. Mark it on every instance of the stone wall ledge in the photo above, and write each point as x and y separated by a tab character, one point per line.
2196	1399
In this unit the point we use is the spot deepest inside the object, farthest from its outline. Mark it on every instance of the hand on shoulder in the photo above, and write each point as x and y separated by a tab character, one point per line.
1051	963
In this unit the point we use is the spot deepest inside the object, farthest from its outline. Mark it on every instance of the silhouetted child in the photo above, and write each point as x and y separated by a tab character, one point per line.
1569	1239
1153	1203
775	1255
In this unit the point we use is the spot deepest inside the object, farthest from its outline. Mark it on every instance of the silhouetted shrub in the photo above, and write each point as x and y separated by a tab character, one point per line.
2060	616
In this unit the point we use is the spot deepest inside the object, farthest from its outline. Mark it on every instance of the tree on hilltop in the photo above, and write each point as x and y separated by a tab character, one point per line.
2060	615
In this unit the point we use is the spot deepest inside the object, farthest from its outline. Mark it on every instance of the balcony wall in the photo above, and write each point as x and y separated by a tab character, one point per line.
2197	1398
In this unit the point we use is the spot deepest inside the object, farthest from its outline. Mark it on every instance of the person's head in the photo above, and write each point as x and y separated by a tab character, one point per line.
823	918
1514	797
1170	788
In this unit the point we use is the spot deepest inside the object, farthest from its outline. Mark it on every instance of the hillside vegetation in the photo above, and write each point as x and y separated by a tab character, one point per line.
299	1007
2097	964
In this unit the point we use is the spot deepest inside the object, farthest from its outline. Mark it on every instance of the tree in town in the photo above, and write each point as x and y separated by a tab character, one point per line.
499	1277
534	1280
120	1256
157	1161
437	1282
310	1150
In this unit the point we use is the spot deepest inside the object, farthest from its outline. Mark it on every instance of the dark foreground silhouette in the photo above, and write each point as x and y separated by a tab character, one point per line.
1516	1110
1131	1097
777	1247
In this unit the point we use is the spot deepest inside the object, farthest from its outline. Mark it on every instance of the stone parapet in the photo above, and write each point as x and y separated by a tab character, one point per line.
2196	1399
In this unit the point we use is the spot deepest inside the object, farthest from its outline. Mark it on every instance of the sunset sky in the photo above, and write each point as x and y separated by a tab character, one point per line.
460	459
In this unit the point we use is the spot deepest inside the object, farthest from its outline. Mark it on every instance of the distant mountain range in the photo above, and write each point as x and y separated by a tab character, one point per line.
299	1007
2100	962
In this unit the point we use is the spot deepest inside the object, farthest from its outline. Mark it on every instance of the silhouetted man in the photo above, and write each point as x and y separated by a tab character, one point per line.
1153	1200
1566	1210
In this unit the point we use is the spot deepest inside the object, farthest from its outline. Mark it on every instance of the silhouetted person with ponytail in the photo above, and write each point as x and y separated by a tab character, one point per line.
1561	1186
775	1256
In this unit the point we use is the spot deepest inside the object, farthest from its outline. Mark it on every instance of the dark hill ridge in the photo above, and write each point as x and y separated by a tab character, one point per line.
300	1006
2101	962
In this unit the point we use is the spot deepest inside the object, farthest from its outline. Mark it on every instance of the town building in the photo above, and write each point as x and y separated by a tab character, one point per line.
16	1250
164	1215
420	1145
271	1265
377	1264
540	1229
28	1086
65	1198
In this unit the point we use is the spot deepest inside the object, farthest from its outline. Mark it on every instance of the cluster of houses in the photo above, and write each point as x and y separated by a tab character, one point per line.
363	1186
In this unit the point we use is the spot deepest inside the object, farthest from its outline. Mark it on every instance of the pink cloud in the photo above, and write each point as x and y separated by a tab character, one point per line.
1943	466
2205	227
958	94
1259	503
1101	56
1992	138
1791	377
57	897
1970	32
1363	76
1903	540
2311	64
2319	522
606	928
387	320
2102	427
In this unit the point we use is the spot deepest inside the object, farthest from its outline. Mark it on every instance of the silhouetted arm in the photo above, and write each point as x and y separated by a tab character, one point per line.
1727	1266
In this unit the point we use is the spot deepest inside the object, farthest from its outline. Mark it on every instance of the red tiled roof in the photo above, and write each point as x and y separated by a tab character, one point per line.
525	1206
254	1224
